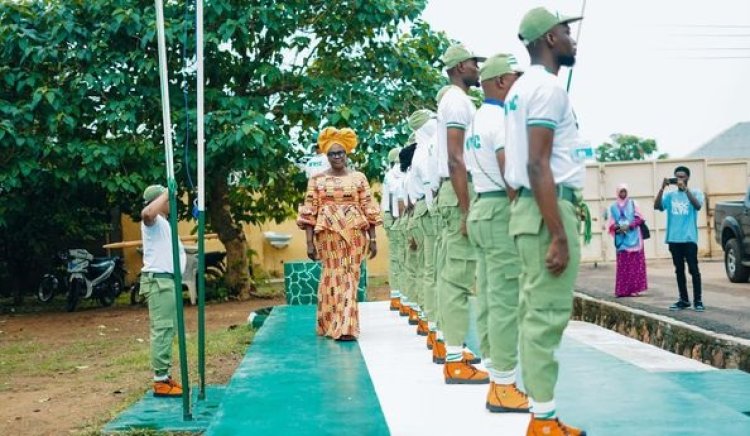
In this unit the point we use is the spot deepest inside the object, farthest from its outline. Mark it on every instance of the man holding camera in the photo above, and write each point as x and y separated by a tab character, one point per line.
682	208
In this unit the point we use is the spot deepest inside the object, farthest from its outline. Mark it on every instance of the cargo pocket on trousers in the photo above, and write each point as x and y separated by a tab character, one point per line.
525	218
459	272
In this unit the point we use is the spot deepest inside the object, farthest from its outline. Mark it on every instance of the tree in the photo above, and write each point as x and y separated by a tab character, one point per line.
627	147
80	101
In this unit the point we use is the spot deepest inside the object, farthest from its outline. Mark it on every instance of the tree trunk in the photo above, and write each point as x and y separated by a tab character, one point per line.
231	235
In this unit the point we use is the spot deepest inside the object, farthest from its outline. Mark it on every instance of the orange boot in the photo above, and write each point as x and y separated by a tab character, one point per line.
431	339
470	358
395	303
462	373
403	310
413	317
167	388
506	399
439	352
551	427
422	329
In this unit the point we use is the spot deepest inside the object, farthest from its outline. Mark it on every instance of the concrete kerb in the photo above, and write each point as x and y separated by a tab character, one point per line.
715	349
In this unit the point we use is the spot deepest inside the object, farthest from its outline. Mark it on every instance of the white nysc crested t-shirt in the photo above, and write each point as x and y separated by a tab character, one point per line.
413	187
486	135
425	160
455	110
537	100
157	247
389	188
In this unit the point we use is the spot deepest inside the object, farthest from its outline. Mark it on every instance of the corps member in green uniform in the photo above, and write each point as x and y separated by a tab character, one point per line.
458	259
545	163
497	258
389	206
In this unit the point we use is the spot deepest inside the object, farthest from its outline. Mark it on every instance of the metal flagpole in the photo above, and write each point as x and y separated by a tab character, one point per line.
578	38
172	185
201	206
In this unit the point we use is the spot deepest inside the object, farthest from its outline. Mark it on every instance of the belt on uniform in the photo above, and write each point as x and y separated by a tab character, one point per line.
468	178
563	192
492	194
157	275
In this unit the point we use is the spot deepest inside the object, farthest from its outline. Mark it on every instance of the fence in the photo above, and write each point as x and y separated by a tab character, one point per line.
719	179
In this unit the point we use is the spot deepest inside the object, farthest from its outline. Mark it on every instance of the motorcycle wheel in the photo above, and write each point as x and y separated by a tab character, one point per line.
110	291
74	294
47	288
135	297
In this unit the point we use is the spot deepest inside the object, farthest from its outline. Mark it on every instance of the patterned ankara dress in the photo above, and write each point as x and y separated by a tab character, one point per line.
340	209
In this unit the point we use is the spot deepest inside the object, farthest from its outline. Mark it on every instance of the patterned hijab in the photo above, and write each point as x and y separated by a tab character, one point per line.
331	135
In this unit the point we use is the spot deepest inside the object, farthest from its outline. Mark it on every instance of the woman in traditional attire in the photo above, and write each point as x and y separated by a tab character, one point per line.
625	219
338	215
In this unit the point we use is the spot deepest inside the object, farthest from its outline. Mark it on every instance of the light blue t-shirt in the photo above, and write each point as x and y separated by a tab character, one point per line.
682	218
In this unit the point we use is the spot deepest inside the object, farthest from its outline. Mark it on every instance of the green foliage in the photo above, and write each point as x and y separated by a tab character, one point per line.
80	110
627	147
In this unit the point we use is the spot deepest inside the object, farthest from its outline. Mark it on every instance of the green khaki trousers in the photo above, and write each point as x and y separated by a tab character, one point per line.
162	316
498	268
393	264
417	232
545	301
428	223
398	255
412	259
458	270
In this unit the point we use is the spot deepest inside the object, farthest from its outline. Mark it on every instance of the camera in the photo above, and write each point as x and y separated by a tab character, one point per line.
673	180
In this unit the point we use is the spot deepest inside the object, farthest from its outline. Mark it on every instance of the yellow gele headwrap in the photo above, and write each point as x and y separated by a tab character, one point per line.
331	135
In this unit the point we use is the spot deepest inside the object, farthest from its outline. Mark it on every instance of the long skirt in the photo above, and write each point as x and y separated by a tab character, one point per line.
631	273
338	314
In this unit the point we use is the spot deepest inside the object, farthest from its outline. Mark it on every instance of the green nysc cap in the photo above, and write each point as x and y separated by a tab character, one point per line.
152	192
539	21
497	66
419	118
393	155
458	53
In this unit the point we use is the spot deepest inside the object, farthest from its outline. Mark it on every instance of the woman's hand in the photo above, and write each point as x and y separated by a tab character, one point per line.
624	228
311	251
373	248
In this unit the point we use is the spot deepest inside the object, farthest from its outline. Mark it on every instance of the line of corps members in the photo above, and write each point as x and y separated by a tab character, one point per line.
489	199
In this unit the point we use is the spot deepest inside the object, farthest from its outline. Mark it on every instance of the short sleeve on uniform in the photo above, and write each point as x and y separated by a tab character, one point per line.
457	110
547	107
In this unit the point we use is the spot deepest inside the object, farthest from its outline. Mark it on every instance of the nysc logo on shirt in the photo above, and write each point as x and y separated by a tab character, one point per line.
474	142
512	104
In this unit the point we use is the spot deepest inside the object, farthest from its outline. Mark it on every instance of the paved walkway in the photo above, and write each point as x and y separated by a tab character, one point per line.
727	304
293	382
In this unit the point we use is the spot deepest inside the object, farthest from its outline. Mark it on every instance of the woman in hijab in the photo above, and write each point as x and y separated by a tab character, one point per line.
338	212
625	219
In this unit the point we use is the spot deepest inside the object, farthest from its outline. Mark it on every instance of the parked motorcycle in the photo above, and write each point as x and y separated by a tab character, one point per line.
215	270
84	277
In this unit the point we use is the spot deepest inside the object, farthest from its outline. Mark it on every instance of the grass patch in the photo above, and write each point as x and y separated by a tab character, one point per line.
269	290
221	345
